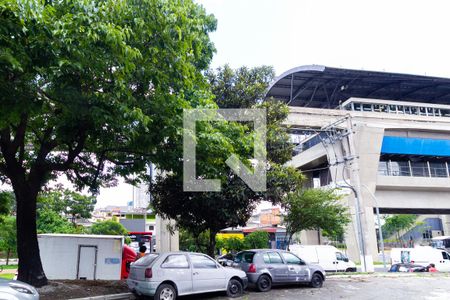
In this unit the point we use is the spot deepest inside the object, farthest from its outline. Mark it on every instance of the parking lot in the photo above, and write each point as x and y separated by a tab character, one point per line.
423	286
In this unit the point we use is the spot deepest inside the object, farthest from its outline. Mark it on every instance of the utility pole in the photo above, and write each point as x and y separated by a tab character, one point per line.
356	188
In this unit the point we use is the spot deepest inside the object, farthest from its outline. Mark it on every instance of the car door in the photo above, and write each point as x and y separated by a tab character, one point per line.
297	269
207	274
276	266
444	262
176	268
341	262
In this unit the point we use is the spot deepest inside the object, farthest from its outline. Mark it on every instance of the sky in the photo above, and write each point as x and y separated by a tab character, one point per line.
393	36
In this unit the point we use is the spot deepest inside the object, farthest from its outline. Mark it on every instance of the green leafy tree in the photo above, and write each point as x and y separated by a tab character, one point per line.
50	221
395	224
257	240
189	242
94	90
199	212
8	237
232	244
242	87
109	227
6	203
68	203
311	209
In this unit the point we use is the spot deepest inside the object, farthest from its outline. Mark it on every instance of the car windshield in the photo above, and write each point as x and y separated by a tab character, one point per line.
246	257
146	260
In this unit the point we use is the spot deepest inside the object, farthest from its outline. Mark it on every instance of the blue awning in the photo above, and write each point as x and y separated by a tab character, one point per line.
415	146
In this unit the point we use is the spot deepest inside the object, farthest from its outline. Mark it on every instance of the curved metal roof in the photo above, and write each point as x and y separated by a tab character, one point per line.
324	87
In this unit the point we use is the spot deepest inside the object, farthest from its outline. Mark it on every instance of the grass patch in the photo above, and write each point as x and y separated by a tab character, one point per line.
7	276
10	267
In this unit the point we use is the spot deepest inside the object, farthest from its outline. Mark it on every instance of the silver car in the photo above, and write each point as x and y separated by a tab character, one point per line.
265	267
17	290
168	275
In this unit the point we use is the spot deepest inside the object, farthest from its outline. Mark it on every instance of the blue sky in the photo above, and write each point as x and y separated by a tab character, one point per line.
395	36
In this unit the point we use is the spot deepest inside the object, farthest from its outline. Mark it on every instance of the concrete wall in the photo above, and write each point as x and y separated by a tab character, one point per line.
59	255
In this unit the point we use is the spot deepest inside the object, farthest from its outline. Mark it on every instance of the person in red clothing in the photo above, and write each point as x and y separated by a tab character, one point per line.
128	256
432	268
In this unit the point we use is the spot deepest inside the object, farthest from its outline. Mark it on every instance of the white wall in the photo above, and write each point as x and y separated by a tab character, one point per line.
59	255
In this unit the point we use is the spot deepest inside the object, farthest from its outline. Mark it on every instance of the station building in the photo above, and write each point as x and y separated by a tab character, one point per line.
382	138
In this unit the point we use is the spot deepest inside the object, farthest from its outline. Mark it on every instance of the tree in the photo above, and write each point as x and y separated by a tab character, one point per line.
6	202
109	227
239	88
8	237
199	212
257	240
232	244
50	221
68	203
395	224
94	90
314	209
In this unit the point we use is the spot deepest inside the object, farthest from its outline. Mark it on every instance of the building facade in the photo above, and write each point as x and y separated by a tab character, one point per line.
383	139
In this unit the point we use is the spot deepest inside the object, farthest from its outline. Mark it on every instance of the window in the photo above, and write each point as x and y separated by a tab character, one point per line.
246	256
392	109
383	168
445	255
340	256
399	168
419	169
175	261
367	107
292	259
438	169
274	258
202	262
146	260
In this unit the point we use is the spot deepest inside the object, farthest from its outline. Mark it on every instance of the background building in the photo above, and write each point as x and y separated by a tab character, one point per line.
383	138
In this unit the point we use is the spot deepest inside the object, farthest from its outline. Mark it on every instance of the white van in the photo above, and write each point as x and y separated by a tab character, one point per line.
328	257
422	256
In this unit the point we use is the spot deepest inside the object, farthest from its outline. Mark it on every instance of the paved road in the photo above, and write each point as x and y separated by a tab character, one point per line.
358	288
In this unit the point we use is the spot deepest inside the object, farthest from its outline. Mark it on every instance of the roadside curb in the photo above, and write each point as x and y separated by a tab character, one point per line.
389	275
124	296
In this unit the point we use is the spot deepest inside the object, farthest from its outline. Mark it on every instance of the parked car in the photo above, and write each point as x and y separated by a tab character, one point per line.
265	267
328	257
422	256
226	260
17	290
407	268
166	276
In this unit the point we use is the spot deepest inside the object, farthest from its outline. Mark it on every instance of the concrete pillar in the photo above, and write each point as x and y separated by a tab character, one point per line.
309	237
445	224
165	240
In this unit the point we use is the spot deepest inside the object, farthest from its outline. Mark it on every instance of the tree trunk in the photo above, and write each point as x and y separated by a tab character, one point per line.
30	266
8	252
212	244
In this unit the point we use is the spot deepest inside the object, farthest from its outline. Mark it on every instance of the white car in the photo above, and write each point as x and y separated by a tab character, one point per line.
17	290
168	275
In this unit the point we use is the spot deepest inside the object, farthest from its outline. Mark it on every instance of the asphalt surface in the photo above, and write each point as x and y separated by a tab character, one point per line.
420	286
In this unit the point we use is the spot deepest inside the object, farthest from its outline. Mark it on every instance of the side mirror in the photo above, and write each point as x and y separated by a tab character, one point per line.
345	259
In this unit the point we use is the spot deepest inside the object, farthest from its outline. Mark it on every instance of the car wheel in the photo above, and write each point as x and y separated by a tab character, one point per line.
264	283
316	281
350	270
165	292
234	288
